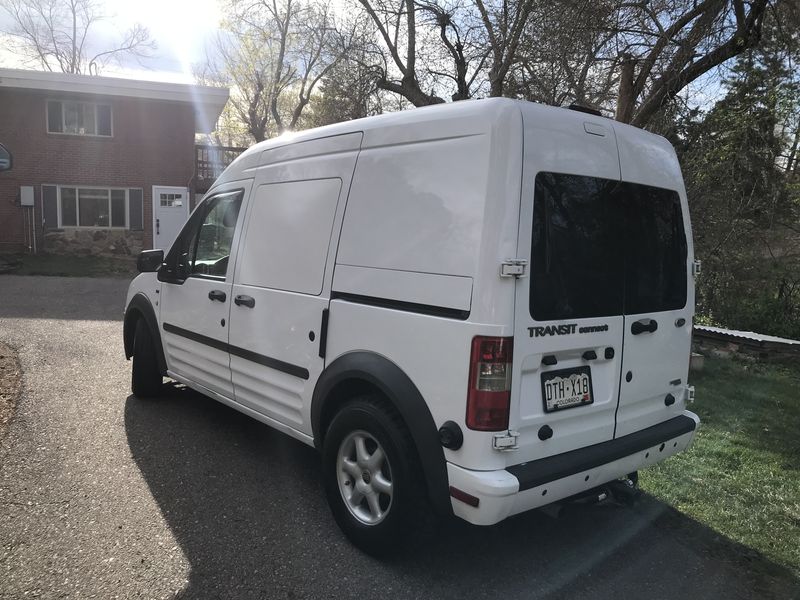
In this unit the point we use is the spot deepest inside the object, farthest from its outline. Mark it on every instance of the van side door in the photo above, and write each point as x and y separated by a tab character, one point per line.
197	277
282	283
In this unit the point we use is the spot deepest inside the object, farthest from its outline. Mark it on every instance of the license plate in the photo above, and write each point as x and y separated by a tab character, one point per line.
567	388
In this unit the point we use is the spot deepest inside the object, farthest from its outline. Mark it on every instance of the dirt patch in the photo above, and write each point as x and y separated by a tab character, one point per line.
10	377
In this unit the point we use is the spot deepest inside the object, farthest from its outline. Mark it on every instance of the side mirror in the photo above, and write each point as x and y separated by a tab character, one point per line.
149	261
174	270
6	160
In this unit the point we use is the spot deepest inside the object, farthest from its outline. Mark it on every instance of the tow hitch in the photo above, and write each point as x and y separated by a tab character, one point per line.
623	491
626	490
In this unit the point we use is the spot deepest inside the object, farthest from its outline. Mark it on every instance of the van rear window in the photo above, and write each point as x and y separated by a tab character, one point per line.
602	247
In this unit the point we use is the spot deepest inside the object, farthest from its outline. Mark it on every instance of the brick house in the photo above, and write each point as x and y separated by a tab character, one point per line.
91	154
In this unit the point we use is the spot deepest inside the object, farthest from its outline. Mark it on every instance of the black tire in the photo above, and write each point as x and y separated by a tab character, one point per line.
146	377
408	510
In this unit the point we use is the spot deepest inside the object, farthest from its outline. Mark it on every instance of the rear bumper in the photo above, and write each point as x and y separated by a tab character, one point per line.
529	485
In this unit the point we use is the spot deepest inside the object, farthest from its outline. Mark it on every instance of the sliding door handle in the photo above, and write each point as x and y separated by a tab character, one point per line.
644	326
217	295
242	300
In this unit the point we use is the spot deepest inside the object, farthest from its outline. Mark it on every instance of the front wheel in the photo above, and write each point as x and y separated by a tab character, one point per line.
372	476
146	377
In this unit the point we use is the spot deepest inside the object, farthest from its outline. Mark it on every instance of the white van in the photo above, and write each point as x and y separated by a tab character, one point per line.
473	309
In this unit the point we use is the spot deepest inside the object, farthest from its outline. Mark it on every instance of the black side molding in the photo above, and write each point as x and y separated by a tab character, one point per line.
196	337
423	309
267	361
552	468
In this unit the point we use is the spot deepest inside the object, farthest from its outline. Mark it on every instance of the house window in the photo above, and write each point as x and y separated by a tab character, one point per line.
93	207
171	200
79	118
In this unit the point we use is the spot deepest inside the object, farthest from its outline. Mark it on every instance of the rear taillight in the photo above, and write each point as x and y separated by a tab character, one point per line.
489	393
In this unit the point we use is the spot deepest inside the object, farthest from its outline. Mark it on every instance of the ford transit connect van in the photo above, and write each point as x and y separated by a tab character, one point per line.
473	309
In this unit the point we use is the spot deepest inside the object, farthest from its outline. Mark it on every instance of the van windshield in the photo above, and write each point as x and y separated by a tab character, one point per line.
602	247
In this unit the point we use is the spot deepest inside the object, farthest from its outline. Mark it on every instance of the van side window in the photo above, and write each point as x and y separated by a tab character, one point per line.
288	234
216	234
602	247
204	243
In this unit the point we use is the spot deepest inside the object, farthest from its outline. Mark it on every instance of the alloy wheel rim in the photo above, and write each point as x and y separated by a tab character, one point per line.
365	477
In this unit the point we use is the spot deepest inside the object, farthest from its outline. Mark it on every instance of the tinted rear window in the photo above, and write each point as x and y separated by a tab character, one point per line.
655	258
601	247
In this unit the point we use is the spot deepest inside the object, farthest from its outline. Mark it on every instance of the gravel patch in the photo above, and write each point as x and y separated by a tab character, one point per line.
10	376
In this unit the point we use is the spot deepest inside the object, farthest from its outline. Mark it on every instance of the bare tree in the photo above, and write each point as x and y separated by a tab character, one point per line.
505	23
666	45
274	54
57	35
566	56
348	92
424	49
241	63
461	46
396	49
633	55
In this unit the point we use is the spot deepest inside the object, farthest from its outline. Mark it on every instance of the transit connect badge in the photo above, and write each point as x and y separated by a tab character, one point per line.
566	329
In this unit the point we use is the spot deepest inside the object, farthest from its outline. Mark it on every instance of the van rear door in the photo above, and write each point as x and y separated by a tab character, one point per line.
659	286
568	311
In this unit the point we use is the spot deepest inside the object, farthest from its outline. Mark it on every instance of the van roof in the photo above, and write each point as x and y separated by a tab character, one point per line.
647	153
485	111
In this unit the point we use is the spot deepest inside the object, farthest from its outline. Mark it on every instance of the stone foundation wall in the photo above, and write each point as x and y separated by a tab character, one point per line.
94	242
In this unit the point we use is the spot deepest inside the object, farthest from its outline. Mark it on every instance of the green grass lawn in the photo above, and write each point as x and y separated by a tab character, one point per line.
742	475
69	266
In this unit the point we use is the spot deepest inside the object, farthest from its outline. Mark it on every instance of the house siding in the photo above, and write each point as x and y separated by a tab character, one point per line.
152	144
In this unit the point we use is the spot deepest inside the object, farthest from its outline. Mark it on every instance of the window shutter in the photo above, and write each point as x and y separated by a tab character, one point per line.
50	206
54	118
135	217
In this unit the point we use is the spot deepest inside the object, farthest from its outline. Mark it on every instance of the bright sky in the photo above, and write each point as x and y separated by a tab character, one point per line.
182	29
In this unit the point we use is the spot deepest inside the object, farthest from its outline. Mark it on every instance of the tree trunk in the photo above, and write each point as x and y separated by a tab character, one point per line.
790	162
626	98
410	90
496	85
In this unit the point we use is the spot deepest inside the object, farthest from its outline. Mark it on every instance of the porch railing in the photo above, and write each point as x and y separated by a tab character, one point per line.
210	161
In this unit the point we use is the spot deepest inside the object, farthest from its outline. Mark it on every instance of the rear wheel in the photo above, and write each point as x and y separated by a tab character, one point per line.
146	377
372	476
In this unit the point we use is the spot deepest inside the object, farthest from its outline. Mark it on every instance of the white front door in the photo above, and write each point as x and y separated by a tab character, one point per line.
170	211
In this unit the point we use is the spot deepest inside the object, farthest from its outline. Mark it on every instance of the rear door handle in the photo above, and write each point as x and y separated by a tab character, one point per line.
217	295
644	326
242	300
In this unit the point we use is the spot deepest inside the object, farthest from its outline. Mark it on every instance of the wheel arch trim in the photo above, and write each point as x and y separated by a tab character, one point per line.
381	373
140	307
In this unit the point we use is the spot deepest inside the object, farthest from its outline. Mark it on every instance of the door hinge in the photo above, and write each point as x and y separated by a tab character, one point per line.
506	441
689	394
696	266
513	267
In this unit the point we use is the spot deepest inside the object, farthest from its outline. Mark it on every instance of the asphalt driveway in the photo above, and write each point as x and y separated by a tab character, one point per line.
106	496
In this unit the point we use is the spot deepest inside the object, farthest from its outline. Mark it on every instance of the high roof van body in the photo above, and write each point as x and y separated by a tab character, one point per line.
482	307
